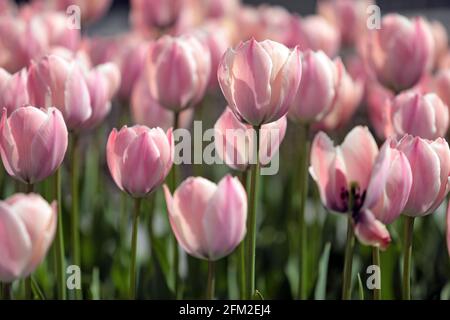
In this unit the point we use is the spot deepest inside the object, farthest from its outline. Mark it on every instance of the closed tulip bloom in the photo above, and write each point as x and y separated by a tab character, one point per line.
318	88
420	115
259	80
220	8
33	143
53	81
234	140
442	85
28	225
379	107
58	32
430	167
178	70
13	90
155	14
208	220
91	11
145	110
440	38
349	95
398	40
139	158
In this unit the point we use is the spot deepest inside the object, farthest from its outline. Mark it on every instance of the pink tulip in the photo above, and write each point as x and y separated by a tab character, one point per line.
315	33
58	32
370	231
139	158
273	23
440	38
234	140
390	184
208	220
430	166
349	16
33	143
379	105
420	115
146	111
442	85
318	88
155	14
7	7
400	39
178	70
28	225
349	95
13	90
220	8
259	80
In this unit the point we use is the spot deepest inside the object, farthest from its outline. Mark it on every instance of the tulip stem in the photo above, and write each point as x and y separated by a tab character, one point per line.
303	192
376	261
347	277
30	187
28	289
251	222
211	280
409	227
241	251
137	207
6	291
75	208
60	264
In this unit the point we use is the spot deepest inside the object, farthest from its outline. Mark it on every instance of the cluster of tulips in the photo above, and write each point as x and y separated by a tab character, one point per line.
61	90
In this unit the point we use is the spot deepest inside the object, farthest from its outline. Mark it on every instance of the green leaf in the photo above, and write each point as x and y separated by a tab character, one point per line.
95	284
360	288
320	291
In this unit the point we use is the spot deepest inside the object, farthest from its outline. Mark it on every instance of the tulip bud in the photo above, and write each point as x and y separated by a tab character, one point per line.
139	158
379	105
430	167
28	226
155	14
208	220
33	143
13	90
91	11
318	88
399	41
259	80
178	71
234	140
420	115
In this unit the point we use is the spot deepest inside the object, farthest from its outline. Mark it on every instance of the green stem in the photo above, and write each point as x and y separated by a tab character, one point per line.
251	223
59	243
137	207
241	251
6	291
376	261
409	227
303	192
211	280
75	232
347	277
28	288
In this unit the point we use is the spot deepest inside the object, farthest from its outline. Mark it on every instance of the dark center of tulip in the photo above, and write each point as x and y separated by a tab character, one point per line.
353	199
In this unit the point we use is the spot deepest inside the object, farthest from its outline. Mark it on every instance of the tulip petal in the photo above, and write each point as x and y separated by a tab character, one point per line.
370	231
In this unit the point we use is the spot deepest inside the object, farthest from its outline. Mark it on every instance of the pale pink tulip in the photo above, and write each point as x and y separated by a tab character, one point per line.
139	158
208	220
219	8
146	111
318	88
13	90
430	166
28	225
259	80
33	143
349	16
379	105
440	38
155	14
349	95
398	41
7	7
420	115
371	231
178	71
442	85
58	32
315	33
234	140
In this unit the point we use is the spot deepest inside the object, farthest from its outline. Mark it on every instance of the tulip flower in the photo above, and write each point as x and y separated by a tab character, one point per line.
379	105
58	33
146	111
178	71
259	80
219	8
442	85
420	115
33	143
440	38
208	220
387	54
29	224
155	14
234	140
318	88
13	90
349	16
